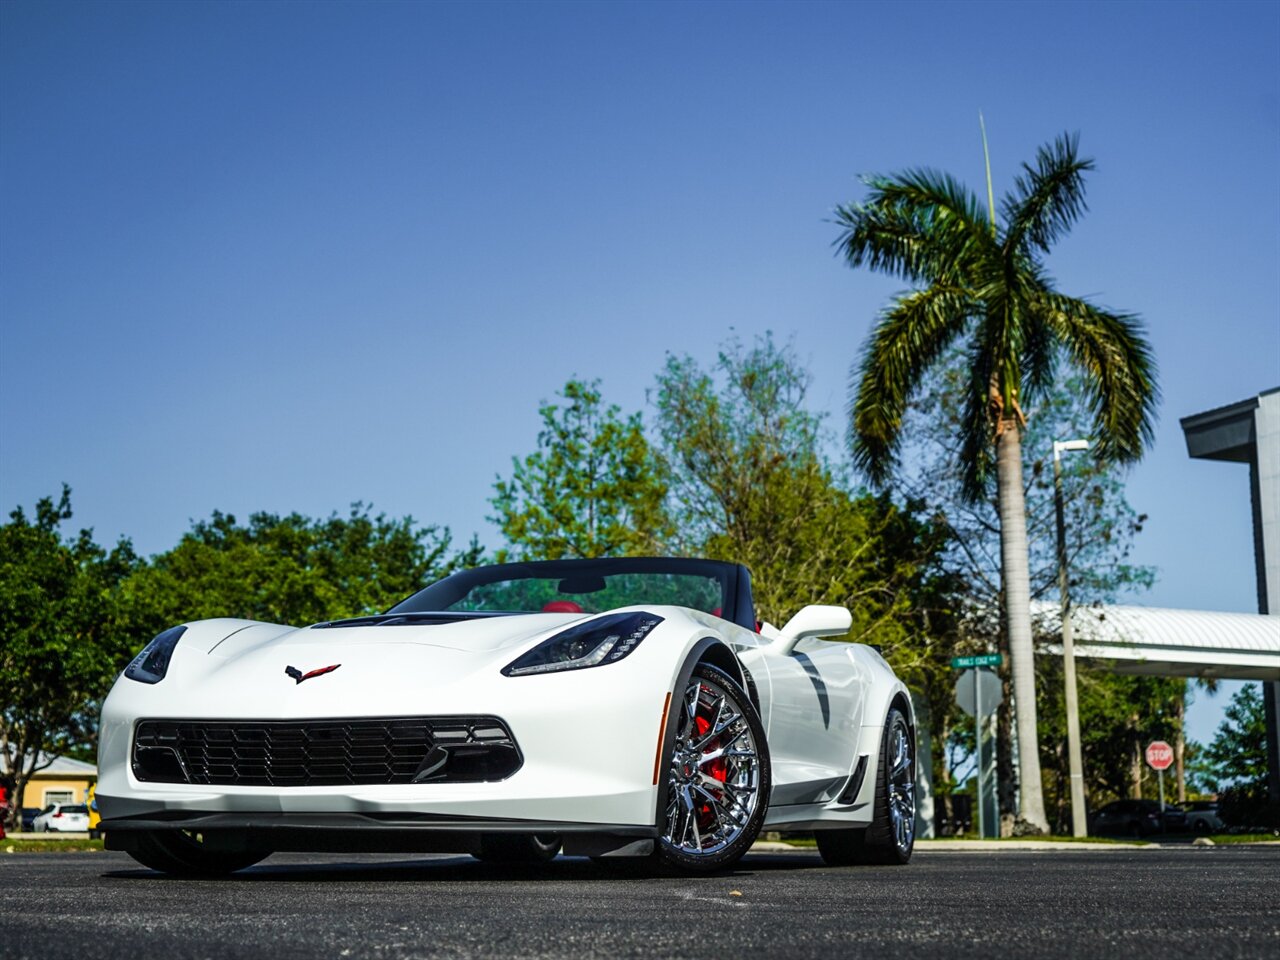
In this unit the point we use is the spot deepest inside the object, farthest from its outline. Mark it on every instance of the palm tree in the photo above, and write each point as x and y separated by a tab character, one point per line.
983	283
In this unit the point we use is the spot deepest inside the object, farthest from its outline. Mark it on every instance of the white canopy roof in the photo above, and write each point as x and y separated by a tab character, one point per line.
1155	640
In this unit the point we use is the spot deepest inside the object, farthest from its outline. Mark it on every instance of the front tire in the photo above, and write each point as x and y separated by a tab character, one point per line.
718	775
183	854
891	838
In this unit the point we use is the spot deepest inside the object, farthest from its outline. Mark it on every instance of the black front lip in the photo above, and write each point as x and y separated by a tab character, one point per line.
370	833
362	822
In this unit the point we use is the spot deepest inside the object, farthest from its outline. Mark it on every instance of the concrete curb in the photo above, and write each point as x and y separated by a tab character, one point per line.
1008	846
969	846
1019	846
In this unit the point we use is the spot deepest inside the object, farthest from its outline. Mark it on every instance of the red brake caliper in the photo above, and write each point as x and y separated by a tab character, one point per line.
716	768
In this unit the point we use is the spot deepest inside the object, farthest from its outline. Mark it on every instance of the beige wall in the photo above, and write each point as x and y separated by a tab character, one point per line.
38	785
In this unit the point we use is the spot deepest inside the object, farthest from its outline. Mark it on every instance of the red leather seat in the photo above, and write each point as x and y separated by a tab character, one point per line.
561	606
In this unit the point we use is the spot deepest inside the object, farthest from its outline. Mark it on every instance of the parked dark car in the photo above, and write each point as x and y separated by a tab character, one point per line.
1202	817
1137	818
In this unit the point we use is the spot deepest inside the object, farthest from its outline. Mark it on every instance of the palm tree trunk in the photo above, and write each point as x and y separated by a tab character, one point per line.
1014	564
1135	760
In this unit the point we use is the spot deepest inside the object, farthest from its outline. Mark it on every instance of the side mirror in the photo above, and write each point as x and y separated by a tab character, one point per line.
815	620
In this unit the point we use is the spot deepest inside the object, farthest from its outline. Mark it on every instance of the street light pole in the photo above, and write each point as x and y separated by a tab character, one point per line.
1079	820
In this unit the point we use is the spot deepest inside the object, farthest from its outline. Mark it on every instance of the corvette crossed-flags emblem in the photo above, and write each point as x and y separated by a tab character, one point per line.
299	676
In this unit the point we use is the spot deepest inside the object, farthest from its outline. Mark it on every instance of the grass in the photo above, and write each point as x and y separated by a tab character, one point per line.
1057	839
1243	838
802	841
1217	838
1048	838
15	845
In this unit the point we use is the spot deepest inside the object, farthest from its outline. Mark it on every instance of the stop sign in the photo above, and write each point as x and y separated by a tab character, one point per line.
1159	755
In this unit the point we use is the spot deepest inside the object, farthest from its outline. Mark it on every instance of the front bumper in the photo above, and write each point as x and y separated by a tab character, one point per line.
588	751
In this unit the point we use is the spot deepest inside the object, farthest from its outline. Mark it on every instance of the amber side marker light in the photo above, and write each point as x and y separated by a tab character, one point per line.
662	730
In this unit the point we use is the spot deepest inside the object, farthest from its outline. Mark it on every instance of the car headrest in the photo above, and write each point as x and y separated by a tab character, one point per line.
562	606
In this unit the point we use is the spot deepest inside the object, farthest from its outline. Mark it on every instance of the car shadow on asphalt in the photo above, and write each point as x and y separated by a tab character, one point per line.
465	869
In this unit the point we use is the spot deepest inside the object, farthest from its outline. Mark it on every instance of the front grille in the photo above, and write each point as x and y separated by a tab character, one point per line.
311	753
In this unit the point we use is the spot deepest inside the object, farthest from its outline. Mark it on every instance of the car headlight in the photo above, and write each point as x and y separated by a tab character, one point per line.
152	663
594	643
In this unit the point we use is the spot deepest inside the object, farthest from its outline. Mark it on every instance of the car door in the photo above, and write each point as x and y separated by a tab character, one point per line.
814	719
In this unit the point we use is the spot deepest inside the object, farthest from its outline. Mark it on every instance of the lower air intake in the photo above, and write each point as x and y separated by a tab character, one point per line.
314	753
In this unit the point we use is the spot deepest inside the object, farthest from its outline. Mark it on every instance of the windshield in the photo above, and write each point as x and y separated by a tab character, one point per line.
581	586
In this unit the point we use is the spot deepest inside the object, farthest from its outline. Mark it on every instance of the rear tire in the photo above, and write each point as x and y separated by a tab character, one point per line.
517	848
183	854
892	835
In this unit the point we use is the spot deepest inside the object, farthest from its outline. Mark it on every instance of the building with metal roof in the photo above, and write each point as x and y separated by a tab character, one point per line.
1248	431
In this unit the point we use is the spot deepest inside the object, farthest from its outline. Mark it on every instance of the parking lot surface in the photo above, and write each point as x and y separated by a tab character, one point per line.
1189	902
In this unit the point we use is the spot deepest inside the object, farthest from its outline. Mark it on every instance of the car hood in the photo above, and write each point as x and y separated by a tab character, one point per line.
268	670
481	635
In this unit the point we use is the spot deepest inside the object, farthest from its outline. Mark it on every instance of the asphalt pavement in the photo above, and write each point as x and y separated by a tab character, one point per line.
1219	902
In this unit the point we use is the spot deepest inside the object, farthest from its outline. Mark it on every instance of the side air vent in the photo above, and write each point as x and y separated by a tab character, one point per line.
850	792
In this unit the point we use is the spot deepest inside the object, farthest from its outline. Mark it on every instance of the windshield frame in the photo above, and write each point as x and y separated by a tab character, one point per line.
734	578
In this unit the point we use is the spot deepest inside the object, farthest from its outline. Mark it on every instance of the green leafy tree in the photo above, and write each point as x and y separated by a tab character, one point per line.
1234	764
59	649
751	485
1119	716
1238	751
291	569
1101	528
983	283
593	487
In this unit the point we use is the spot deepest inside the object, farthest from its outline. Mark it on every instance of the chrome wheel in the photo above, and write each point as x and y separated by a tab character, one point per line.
714	778
890	836
902	784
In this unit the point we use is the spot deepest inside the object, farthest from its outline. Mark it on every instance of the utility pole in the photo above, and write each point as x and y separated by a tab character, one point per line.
1079	818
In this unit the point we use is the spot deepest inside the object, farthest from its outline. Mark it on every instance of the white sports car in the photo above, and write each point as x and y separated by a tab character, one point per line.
623	707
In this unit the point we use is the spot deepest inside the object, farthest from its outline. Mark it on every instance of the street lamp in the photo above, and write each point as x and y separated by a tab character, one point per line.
1079	821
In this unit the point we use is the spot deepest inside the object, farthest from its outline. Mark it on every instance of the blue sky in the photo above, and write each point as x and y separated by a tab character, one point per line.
285	257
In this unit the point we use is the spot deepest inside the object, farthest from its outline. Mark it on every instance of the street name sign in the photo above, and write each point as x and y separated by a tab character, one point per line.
975	660
1159	755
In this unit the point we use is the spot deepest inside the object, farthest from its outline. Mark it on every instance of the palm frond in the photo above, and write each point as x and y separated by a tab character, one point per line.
920	225
1048	198
910	336
1039	348
1112	349
885	240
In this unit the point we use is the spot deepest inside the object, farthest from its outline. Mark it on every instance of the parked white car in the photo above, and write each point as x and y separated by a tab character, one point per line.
612	707
62	818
